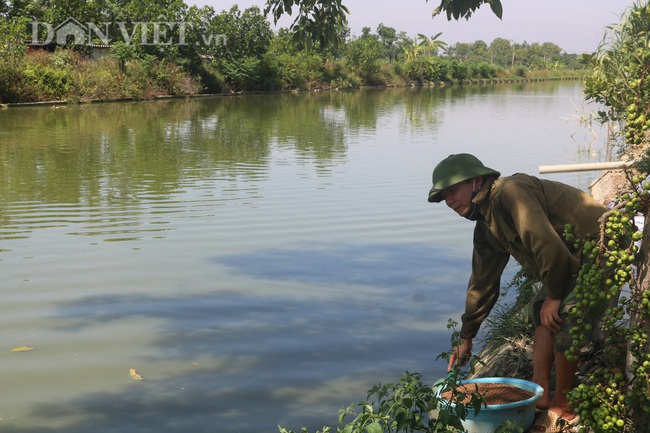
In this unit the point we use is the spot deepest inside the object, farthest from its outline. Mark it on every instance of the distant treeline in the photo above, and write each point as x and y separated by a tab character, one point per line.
81	50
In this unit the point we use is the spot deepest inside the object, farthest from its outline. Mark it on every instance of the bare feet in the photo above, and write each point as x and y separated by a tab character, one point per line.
544	402
549	421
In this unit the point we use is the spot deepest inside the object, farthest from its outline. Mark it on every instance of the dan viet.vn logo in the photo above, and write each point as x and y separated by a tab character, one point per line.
140	33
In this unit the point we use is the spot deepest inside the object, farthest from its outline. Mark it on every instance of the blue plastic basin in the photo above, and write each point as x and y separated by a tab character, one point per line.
490	417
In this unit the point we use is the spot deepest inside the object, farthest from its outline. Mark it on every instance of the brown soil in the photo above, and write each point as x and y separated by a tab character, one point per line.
493	393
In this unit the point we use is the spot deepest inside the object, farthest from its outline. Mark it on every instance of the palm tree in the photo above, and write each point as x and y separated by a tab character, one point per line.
412	52
430	45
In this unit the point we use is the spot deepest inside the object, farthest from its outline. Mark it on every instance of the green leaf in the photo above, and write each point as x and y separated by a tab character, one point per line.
460	410
443	416
456	423
375	427
497	8
476	404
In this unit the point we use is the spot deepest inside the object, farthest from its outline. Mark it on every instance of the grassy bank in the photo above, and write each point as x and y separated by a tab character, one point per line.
67	75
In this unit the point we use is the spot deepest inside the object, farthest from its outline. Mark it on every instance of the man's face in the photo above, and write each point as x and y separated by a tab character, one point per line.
459	197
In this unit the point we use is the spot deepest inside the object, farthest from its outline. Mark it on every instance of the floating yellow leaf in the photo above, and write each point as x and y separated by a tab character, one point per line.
134	374
195	363
22	349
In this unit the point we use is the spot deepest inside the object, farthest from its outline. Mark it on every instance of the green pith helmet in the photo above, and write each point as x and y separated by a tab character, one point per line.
455	169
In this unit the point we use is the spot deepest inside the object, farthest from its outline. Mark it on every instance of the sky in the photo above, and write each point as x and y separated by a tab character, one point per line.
576	26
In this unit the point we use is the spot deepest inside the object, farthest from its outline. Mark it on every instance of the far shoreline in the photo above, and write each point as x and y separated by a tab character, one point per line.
473	82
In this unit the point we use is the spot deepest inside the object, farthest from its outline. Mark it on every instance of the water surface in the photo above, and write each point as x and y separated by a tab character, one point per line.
258	259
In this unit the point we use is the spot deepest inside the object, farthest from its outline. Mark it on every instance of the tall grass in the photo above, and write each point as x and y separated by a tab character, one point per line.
68	75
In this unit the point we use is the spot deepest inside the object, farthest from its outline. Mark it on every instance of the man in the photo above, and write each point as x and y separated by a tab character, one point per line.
523	217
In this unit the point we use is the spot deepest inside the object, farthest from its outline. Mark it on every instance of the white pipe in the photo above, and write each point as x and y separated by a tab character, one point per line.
594	166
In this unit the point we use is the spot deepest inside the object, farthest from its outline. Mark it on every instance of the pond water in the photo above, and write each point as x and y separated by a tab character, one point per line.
259	260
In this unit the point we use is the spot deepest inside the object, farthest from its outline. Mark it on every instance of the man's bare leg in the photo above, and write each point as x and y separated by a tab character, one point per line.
543	357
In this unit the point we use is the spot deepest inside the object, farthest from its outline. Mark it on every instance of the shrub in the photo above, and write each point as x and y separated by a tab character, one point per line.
242	74
337	74
520	71
15	86
292	71
484	70
51	74
459	71
417	69
428	68
211	78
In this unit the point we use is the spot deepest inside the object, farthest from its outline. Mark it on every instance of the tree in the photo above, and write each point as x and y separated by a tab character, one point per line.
322	21
620	80
242	40
133	13
362	55
22	8
460	51
431	45
457	9
388	37
478	52
412	51
246	34
501	53
319	22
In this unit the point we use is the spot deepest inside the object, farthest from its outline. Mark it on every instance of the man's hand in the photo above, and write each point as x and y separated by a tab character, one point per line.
461	354
550	314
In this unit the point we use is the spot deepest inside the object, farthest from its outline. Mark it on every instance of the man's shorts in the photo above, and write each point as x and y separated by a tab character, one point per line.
563	339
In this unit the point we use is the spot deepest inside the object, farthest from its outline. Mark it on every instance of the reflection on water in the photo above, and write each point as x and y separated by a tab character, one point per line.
259	259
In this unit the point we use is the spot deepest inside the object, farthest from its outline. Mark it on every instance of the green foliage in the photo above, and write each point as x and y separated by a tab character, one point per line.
619	77
411	406
430	45
297	71
337	74
391	41
484	70
617	393
51	74
123	53
14	86
607	400
233	50
459	71
67	75
428	69
407	406
363	56
211	78
243	74
318	23
12	40
243	34
457	9
520	71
